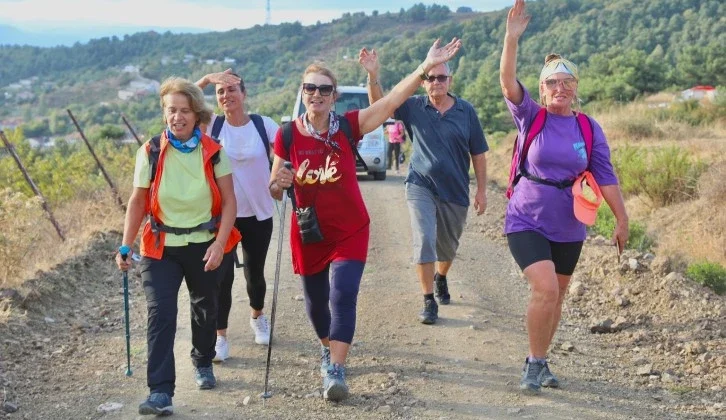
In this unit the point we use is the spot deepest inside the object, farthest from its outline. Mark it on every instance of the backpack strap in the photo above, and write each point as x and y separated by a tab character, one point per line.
519	157
345	128
260	126
287	136
588	133
154	148
217	127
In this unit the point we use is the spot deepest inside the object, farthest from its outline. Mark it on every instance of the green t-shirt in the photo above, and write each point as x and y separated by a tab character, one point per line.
185	199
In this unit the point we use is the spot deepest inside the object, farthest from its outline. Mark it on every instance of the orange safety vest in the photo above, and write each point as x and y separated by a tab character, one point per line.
152	240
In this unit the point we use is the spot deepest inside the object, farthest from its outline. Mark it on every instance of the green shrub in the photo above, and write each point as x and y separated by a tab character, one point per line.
665	175
605	226
711	275
639	128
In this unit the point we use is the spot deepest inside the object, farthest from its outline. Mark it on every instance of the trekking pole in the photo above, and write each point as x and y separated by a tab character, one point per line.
267	394
124	250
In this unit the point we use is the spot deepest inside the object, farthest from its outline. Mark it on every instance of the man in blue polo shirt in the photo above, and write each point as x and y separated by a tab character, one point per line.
446	133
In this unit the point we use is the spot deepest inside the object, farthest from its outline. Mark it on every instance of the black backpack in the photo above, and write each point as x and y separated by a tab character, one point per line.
344	127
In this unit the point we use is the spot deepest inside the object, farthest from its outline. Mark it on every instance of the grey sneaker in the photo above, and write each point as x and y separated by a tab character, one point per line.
430	312
532	375
334	387
324	360
158	404
549	380
204	377
442	289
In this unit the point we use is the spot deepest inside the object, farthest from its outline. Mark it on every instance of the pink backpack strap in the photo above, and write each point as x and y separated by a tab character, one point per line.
518	158
588	133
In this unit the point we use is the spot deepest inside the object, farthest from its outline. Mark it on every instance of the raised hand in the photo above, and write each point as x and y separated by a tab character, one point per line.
517	19
438	55
222	78
369	61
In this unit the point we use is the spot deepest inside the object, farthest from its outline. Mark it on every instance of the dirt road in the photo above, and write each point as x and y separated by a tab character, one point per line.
66	357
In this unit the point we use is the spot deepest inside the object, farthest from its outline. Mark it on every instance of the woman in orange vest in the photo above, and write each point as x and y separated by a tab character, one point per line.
183	183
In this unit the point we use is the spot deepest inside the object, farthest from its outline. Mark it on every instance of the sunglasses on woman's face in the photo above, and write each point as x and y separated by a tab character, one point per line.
310	88
441	78
568	84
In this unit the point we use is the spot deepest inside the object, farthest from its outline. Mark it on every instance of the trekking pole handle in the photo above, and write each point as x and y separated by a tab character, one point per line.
124	250
290	192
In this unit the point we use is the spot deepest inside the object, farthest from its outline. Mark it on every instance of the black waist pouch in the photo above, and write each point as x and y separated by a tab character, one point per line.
307	222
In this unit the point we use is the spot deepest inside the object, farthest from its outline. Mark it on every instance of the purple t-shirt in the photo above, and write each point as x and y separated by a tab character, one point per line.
557	153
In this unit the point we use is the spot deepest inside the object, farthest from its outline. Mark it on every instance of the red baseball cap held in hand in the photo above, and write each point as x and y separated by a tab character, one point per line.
587	198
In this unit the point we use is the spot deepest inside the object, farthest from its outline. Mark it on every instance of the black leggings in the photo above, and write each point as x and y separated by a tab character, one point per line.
528	247
394	149
256	236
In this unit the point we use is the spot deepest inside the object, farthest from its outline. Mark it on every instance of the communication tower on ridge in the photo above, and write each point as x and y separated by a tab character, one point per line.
268	16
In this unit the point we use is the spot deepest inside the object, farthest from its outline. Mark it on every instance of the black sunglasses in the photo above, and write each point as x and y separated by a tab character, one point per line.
442	78
310	88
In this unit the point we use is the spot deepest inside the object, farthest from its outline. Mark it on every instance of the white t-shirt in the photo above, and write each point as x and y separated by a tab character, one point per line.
250	166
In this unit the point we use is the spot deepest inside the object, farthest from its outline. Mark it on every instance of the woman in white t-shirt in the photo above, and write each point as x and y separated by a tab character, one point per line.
244	140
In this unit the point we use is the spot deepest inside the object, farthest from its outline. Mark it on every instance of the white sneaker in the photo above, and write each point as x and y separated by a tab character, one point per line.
222	349
261	328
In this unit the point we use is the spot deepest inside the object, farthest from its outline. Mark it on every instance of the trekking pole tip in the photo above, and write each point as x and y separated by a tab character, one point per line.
265	395
128	372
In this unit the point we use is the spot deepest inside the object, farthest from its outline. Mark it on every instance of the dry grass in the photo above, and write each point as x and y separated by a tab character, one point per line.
32	244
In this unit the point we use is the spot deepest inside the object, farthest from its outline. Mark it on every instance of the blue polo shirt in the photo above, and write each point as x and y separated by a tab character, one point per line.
443	145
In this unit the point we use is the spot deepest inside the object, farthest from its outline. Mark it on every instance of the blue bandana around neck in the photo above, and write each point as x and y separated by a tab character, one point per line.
187	146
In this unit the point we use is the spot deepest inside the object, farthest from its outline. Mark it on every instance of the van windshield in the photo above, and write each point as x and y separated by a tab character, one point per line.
345	102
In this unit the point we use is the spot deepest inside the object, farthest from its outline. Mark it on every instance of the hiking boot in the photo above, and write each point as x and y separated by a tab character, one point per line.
324	360
261	327
532	375
204	377
158	404
549	380
442	289
334	387
430	312
221	349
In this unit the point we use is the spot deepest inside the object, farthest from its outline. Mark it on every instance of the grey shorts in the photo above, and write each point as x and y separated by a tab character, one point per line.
436	226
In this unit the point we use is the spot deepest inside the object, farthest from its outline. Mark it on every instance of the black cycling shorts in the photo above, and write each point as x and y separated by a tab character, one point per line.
528	247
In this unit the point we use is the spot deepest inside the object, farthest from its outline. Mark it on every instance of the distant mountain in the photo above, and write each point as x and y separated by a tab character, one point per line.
68	36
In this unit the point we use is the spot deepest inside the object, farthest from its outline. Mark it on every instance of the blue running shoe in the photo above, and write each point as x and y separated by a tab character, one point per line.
334	387
324	360
532	375
204	377
158	404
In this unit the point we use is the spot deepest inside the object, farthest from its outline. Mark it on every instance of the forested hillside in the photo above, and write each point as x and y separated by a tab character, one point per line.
625	48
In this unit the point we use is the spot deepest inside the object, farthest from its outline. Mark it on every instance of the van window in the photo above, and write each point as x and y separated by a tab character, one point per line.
345	102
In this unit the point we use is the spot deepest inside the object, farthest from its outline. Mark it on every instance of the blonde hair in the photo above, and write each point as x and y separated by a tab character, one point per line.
320	68
193	93
549	59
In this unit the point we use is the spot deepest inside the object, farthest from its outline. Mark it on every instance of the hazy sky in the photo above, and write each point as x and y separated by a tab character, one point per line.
222	15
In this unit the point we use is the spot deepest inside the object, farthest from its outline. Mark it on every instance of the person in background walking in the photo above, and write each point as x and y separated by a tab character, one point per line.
396	136
246	139
446	137
183	183
543	233
324	179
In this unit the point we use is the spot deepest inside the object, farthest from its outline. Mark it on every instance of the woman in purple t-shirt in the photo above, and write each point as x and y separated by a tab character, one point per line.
543	234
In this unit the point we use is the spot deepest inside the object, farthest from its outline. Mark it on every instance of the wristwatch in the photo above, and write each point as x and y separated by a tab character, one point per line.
423	75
